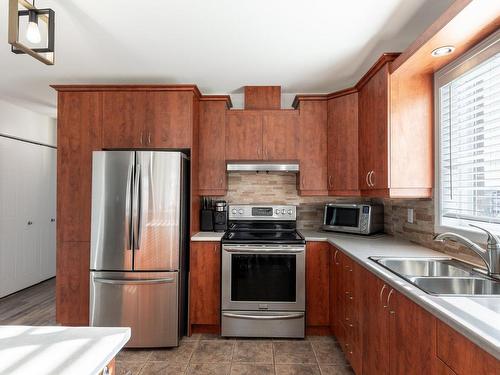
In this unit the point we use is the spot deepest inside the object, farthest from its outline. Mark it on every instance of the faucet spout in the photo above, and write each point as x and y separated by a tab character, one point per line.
484	254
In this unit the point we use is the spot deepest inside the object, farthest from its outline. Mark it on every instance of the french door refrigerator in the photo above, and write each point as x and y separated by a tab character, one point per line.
138	272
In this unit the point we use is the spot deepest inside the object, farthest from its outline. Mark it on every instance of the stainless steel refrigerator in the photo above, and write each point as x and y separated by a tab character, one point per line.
138	272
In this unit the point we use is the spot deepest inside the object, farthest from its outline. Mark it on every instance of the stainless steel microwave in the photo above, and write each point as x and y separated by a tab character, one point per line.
354	218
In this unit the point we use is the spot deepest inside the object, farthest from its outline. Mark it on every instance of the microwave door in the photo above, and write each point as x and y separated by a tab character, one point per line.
111	222
157	224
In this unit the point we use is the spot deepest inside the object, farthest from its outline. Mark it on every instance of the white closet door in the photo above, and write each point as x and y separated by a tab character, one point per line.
10	217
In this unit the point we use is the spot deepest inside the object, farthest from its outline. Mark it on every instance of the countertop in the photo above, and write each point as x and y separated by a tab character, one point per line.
477	318
55	350
207	236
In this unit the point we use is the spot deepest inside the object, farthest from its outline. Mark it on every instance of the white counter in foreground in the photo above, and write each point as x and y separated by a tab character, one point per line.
28	350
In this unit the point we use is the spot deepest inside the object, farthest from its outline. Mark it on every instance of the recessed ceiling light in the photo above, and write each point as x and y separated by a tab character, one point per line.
442	51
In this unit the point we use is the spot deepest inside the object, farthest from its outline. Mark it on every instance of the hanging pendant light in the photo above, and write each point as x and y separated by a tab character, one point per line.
37	41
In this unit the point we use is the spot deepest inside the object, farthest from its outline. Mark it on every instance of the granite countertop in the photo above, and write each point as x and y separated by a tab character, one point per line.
477	318
55	350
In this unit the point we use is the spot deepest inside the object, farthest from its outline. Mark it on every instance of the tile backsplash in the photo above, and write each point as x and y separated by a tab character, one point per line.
280	188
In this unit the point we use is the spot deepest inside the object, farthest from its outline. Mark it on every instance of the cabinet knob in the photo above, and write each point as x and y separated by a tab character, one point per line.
30	222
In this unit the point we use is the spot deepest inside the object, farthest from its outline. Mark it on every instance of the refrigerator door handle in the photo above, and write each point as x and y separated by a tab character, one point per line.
137	208
133	281
128	206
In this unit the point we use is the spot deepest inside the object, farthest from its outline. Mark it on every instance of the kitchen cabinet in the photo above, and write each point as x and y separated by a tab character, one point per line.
347	306
204	287
395	134
147	119
312	148
460	356
279	135
317	287
212	157
343	145
243	135
373	132
399	334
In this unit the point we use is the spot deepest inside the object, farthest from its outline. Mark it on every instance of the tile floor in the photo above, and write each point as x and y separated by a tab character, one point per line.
212	355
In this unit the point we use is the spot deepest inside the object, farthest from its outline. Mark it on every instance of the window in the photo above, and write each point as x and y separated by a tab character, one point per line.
468	142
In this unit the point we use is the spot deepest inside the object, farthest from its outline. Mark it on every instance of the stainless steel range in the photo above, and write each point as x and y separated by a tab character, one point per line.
263	273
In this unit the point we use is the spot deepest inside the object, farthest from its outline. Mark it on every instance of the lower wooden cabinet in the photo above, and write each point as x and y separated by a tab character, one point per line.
461	356
317	287
204	287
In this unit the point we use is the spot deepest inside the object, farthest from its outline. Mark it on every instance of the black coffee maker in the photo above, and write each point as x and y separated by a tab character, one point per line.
220	216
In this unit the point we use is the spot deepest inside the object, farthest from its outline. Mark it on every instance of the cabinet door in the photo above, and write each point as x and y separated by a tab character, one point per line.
243	135
375	326
124	118
170	119
279	139
312	148
373	131
212	157
317	284
204	283
412	337
343	145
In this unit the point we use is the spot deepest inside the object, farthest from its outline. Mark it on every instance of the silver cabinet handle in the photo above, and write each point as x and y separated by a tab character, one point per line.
221	182
335	257
264	317
389	300
149	138
330	181
302	181
102	280
366	179
141	138
370	178
381	295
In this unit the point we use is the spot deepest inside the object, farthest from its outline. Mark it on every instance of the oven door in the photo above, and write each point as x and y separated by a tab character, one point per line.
263	277
342	218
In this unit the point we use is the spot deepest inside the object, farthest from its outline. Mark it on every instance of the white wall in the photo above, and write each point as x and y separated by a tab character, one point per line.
22	123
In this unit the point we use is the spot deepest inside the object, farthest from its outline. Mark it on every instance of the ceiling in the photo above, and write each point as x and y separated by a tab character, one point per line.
304	46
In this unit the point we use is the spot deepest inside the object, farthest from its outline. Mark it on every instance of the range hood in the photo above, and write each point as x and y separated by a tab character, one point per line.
262	166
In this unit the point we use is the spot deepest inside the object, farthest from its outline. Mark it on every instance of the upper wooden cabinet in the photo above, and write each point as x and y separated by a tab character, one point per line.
147	119
395	136
312	147
243	135
212	157
373	132
343	145
261	135
279	135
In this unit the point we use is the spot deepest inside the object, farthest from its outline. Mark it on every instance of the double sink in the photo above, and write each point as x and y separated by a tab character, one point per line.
441	276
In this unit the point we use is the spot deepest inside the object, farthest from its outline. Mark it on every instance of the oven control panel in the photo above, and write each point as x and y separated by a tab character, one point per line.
262	212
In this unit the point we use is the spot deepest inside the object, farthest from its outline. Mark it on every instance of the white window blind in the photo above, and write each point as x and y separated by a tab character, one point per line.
469	117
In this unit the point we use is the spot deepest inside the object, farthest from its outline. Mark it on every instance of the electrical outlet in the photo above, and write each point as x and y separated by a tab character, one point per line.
410	215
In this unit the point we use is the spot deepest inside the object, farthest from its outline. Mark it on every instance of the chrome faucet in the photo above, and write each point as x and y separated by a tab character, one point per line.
490	256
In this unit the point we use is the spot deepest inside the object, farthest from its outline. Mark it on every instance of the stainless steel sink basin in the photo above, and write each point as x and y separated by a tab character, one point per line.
416	267
470	286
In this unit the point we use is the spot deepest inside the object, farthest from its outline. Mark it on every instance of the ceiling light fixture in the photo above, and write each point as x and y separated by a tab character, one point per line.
442	51
37	40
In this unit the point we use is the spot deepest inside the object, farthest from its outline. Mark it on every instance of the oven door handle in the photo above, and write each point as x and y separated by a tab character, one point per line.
263	250
264	317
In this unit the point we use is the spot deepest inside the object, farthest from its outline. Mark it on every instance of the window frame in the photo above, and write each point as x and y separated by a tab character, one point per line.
475	56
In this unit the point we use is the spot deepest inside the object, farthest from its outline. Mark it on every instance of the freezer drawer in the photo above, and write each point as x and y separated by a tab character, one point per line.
263	324
147	302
